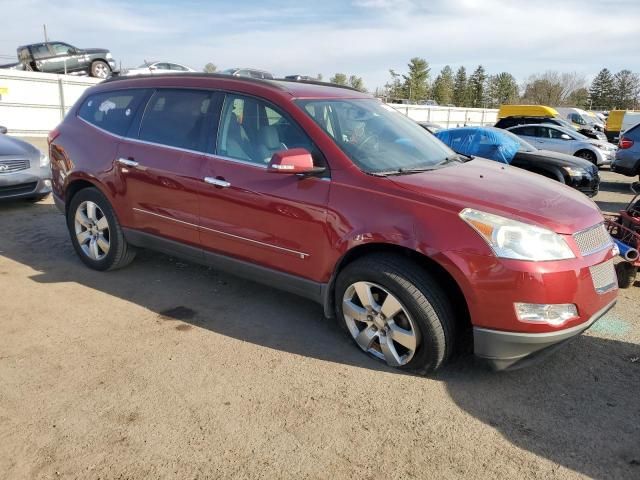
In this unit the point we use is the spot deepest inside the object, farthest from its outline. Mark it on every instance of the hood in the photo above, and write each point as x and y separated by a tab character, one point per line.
507	191
557	159
10	146
94	50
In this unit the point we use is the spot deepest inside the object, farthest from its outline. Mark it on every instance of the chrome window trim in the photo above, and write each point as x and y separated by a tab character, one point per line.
302	255
180	149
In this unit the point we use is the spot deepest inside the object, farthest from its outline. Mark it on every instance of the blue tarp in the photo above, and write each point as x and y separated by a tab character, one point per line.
486	142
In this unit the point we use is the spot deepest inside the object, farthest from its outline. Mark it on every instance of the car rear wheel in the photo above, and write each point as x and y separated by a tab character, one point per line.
95	232
100	69
396	312
587	155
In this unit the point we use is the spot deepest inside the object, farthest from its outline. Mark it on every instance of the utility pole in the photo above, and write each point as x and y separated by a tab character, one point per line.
46	39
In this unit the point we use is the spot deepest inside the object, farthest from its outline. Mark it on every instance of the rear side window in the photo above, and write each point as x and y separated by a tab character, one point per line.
178	118
633	134
112	111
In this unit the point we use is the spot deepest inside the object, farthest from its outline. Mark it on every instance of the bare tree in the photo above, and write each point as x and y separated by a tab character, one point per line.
552	88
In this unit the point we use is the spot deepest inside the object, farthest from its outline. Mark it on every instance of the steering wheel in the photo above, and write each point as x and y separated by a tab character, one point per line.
368	139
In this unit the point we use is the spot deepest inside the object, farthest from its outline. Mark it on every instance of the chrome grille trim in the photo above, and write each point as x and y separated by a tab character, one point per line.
593	240
604	277
12	166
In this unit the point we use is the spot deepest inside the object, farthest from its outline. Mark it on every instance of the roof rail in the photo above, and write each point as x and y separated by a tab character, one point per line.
273	82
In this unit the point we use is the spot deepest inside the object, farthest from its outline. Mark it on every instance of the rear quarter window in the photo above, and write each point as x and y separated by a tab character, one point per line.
112	111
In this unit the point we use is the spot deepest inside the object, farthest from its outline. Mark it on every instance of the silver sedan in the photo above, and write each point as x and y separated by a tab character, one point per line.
563	140
24	171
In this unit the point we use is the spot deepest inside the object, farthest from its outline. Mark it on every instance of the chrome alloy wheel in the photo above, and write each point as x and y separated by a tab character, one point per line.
100	70
92	230
379	323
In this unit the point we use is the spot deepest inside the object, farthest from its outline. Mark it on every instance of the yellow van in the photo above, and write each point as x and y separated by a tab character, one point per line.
526	111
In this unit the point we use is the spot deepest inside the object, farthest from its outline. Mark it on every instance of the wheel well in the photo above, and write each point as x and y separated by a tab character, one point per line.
73	188
444	278
585	150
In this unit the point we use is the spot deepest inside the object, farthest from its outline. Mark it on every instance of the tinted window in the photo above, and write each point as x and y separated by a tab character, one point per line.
112	111
530	131
177	118
553	133
252	130
162	66
59	48
179	68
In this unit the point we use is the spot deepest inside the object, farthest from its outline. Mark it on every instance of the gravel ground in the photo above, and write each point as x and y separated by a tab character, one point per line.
172	370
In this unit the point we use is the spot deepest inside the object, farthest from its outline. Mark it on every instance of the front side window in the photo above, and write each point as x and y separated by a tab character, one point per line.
377	138
177	118
60	49
555	134
112	111
253	130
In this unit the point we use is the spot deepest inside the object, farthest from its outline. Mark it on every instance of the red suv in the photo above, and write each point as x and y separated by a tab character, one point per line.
328	193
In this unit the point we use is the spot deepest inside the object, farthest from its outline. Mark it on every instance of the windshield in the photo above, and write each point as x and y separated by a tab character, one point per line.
524	145
377	138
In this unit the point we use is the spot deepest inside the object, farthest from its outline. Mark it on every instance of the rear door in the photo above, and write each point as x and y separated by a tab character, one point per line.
160	164
274	220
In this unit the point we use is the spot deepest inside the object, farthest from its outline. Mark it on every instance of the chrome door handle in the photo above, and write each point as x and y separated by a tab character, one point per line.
218	182
127	162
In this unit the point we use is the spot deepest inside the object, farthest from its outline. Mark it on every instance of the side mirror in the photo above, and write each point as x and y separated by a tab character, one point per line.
564	136
152	67
3	130
294	161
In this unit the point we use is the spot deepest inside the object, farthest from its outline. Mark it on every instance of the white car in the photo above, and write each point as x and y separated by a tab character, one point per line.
564	140
157	68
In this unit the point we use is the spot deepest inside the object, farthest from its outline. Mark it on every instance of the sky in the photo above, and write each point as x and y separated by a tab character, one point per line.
362	37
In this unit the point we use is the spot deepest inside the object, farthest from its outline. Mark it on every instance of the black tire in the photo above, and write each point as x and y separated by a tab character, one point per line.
120	253
37	198
98	68
419	293
588	155
626	273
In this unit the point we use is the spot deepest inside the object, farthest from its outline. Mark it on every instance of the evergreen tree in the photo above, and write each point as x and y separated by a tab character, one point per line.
602	90
394	88
339	79
460	88
357	83
443	86
626	88
416	81
502	89
477	83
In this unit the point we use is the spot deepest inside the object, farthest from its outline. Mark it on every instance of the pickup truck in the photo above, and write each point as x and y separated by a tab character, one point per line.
59	57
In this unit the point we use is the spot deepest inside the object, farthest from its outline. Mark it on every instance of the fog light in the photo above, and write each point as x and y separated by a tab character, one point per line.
47	183
552	314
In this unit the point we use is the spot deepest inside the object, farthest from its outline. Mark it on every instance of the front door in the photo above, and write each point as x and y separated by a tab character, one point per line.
275	220
160	168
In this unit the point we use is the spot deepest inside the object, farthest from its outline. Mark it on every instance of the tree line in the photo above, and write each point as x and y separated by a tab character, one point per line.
479	89
482	90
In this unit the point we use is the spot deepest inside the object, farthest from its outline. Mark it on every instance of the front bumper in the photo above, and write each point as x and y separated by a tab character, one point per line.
114	67
23	185
628	167
511	350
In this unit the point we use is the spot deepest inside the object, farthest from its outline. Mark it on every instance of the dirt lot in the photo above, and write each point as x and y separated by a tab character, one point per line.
173	370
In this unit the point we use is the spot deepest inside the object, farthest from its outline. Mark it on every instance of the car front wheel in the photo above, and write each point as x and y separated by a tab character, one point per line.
396	312
100	69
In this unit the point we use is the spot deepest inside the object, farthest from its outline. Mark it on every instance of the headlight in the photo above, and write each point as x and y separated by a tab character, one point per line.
109	56
576	172
44	160
517	240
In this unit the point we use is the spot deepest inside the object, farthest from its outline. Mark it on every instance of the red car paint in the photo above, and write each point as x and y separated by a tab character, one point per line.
304	227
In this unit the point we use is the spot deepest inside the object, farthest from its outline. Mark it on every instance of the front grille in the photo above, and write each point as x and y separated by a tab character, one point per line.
593	240
604	277
11	166
19	189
